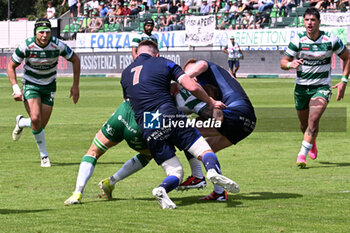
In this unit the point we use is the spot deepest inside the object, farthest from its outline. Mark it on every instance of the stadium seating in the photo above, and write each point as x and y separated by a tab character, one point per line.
279	19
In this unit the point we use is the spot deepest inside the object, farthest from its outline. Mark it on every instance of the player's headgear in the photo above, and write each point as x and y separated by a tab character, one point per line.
148	21
42	24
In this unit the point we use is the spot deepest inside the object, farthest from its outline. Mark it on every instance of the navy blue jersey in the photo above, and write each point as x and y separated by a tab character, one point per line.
230	91
146	82
239	117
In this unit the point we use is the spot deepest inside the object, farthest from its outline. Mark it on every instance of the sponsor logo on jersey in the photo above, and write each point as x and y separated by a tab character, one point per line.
126	124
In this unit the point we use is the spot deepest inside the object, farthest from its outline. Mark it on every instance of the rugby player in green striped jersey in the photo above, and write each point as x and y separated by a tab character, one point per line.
310	54
40	54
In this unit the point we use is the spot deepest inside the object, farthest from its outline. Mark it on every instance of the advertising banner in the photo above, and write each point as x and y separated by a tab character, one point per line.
200	30
255	63
335	19
267	39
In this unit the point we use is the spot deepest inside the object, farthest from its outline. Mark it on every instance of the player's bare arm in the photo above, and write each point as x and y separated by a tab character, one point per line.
341	86
195	69
134	52
11	73
74	91
192	86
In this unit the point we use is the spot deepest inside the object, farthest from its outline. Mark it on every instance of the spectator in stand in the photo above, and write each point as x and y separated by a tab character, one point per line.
173	8
80	3
240	7
258	20
125	13
120	8
214	7
85	22
323	5
242	21
94	4
110	13
95	23
265	5
126	10
343	5
265	23
188	4
232	7
145	5
226	21
333	5
179	23
163	24
280	5
251	20
134	10
253	4
72	7
182	6
103	10
50	11
205	8
162	5
246	6
196	6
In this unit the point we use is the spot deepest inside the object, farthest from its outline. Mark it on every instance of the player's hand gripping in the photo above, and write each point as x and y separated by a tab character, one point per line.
217	104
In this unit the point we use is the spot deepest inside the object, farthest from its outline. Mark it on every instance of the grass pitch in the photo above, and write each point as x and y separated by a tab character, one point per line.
275	195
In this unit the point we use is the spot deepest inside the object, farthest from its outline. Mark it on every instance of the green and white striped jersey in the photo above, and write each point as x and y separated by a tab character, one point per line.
41	63
141	36
188	103
316	55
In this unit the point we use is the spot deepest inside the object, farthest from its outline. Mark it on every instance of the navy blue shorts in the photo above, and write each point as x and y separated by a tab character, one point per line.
73	8
162	142
238	123
232	63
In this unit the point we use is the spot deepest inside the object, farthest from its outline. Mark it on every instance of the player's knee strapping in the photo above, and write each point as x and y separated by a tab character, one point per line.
173	167
102	147
199	147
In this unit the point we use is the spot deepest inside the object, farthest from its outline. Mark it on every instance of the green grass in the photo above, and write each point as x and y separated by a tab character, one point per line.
275	195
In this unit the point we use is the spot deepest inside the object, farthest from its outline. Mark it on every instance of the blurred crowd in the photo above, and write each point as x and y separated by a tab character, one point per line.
114	15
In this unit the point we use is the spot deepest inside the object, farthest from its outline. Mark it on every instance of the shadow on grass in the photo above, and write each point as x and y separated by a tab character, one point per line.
10	211
329	164
77	164
233	200
254	196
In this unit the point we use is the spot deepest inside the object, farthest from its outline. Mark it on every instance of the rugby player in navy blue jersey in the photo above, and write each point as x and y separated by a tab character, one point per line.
239	119
146	83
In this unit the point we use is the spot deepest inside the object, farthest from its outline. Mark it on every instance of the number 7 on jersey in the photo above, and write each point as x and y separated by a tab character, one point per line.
137	71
